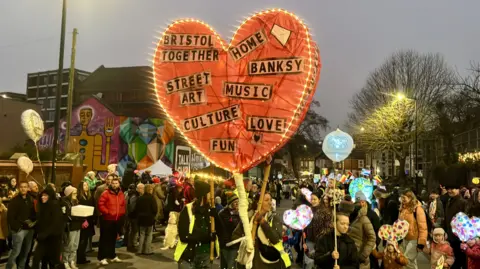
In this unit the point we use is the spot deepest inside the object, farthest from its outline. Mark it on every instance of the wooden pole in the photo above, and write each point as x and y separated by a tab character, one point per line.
266	174
334	215
212	219
71	82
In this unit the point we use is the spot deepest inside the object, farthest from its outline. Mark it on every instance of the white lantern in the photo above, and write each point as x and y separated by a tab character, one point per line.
32	124
337	145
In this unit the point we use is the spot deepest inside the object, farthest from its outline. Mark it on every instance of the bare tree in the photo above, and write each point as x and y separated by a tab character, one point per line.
470	85
423	79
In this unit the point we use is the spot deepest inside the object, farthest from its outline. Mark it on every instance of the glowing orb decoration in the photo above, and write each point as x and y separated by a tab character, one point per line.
25	164
237	103
32	124
361	184
337	145
463	227
298	219
475	180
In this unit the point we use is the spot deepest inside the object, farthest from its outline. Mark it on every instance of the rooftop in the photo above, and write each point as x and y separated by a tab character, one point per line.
117	78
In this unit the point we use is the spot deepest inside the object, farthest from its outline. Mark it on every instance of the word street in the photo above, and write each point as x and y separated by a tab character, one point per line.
188	40
275	66
196	80
248	45
247	91
195	97
194	55
266	124
211	118
221	145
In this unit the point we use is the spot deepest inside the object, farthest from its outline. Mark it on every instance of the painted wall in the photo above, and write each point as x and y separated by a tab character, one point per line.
94	133
104	138
144	141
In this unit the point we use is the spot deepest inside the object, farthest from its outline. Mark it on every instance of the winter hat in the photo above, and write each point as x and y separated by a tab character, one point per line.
68	190
201	189
438	231
360	196
232	198
345	208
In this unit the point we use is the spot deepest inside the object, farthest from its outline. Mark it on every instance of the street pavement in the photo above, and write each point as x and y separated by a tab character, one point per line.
163	259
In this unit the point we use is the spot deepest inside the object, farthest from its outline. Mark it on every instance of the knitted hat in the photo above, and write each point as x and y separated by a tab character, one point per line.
438	231
360	196
345	208
68	190
232	198
201	189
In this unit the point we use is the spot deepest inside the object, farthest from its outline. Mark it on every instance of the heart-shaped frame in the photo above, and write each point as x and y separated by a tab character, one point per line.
201	82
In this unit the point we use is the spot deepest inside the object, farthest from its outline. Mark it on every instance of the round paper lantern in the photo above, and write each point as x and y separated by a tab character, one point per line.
337	145
32	124
25	164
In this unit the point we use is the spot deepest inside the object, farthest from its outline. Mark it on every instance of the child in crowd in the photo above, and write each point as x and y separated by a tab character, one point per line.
392	256
290	239
440	248
472	250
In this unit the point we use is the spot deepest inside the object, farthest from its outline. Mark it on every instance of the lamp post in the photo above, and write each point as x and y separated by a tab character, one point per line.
58	90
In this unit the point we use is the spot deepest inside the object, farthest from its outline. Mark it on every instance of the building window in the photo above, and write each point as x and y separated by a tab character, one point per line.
40	102
32	81
44	92
64	102
53	91
51	115
44	80
32	93
51	103
64	89
53	79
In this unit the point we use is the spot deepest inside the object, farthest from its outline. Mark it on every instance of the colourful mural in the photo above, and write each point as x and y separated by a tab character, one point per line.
145	141
104	138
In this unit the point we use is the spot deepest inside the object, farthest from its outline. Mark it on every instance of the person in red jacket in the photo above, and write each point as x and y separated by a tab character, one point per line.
188	190
112	206
472	250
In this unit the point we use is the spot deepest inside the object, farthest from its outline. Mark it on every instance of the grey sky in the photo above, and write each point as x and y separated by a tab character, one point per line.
354	36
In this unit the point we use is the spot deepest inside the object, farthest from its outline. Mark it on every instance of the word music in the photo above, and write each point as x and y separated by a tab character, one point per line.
188	40
275	66
196	80
247	91
266	124
195	97
194	55
223	145
211	118
248	45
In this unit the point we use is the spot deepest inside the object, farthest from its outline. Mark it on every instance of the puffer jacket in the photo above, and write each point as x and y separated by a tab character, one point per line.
418	223
363	234
112	204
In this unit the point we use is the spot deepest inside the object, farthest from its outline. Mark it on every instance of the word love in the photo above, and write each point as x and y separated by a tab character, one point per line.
266	124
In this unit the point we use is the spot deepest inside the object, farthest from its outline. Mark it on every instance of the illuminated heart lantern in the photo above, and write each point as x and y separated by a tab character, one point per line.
400	229
237	103
307	193
463	227
299	218
337	145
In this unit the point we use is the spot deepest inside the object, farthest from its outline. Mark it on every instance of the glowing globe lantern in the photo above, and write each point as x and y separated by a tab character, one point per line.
337	145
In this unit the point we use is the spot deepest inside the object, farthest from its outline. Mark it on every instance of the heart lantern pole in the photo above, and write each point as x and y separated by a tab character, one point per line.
266	175
212	219
337	146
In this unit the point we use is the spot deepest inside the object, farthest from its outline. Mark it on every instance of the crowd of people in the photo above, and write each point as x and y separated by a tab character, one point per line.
40	230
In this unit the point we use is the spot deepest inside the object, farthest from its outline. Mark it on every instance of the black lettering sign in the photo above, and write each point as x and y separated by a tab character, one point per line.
275	66
182	159
196	80
246	46
194	55
211	118
266	124
195	97
188	40
247	91
221	145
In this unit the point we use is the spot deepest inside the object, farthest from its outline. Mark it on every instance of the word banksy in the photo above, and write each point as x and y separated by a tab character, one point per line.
211	118
275	66
247	45
188	40
195	97
247	91
223	145
196	80
266	124
194	55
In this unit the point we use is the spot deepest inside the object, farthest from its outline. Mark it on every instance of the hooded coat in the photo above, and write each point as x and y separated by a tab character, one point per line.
50	221
128	175
348	254
363	234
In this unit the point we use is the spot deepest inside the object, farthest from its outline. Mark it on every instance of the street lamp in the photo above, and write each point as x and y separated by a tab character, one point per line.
362	129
